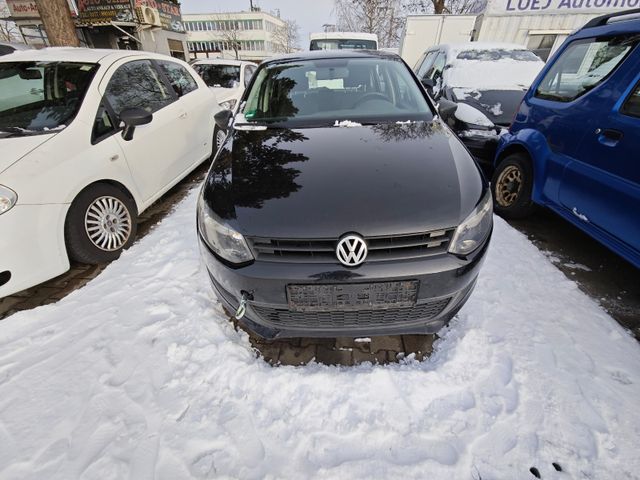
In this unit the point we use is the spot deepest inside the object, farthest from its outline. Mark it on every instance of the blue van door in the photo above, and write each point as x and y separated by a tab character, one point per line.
602	185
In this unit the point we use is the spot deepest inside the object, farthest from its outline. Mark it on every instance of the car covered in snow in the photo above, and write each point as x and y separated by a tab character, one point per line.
487	82
90	139
340	204
574	145
228	80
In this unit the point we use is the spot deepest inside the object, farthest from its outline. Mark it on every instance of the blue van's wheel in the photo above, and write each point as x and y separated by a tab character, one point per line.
512	184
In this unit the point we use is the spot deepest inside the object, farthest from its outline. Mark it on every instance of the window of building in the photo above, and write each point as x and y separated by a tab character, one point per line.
541	45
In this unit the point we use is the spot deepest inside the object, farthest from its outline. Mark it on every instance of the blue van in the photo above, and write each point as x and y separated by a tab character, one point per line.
574	143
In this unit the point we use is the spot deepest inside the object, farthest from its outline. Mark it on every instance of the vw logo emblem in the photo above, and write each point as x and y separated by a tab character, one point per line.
351	250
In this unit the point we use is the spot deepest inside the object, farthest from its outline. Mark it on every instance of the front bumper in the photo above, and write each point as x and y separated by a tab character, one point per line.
446	282
32	247
483	147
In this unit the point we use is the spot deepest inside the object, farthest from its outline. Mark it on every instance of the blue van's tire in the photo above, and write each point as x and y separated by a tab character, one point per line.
511	185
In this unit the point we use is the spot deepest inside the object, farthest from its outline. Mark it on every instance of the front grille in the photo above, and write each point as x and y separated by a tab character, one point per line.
398	247
351	319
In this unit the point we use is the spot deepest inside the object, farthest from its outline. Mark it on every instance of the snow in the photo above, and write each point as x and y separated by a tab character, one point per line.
467	114
139	375
347	124
479	75
581	216
494	109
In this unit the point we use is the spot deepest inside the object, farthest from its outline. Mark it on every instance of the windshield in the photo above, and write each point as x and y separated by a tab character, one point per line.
325	91
343	44
37	97
225	76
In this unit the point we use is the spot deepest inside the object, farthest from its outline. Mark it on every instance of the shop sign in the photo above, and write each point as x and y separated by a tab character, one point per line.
511	7
169	13
104	11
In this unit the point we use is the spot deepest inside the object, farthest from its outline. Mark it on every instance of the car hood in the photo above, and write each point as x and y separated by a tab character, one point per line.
384	179
499	105
14	148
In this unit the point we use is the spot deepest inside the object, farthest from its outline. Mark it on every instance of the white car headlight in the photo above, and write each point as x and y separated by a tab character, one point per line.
229	104
221	239
8	199
471	233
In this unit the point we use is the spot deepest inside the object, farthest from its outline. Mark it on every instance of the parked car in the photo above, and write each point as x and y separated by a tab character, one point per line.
89	139
9	47
228	80
487	80
340	204
573	146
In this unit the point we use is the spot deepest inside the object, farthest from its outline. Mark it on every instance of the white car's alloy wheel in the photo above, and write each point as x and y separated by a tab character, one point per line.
220	136
108	223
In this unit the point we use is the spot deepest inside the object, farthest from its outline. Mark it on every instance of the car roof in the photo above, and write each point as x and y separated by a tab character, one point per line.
72	54
221	61
457	47
320	54
622	22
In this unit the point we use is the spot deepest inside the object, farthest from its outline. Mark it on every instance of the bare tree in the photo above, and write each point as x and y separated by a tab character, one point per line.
444	6
232	41
8	29
286	39
385	18
57	22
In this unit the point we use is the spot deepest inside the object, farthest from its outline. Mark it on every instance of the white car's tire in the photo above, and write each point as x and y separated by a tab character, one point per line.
101	222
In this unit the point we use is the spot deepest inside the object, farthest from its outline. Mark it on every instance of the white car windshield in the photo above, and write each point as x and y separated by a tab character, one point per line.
323	91
37	97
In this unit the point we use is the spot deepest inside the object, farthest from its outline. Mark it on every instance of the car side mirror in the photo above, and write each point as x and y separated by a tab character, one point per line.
222	119
446	108
132	118
428	83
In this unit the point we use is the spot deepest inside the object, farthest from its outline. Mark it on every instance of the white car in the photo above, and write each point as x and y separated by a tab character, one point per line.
228	80
90	139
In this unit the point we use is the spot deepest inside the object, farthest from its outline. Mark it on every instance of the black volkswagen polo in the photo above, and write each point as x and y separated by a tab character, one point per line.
340	203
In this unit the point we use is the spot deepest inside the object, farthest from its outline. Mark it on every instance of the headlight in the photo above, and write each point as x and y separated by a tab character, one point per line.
471	233
229	104
8	199
221	239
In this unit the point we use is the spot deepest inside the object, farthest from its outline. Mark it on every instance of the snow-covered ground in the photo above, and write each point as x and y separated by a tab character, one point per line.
139	375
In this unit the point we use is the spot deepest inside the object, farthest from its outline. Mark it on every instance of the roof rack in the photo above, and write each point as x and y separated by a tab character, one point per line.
602	20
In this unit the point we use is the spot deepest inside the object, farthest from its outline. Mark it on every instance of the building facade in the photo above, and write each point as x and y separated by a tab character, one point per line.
150	25
237	35
540	25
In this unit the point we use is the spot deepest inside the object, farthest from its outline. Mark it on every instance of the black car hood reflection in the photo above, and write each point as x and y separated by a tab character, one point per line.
385	179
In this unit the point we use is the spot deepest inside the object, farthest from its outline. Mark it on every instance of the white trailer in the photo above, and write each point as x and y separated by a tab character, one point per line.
540	25
424	31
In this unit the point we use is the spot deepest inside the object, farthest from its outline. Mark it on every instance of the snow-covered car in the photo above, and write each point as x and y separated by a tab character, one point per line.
90	139
487	81
228	80
342	209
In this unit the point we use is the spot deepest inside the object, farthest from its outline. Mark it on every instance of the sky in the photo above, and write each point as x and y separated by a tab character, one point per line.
309	14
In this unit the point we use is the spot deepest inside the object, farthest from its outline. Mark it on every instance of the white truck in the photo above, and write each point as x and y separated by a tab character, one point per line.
424	31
